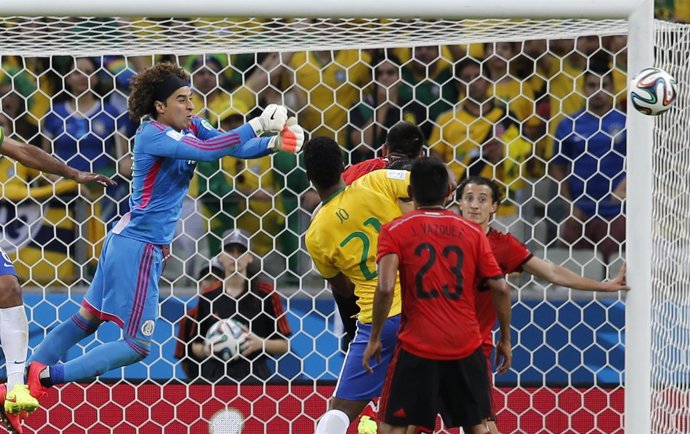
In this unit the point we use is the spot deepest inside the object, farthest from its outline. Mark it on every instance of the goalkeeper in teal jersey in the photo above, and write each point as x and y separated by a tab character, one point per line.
125	287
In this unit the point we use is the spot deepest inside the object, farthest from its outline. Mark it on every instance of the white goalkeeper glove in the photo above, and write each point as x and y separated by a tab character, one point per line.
272	119
290	139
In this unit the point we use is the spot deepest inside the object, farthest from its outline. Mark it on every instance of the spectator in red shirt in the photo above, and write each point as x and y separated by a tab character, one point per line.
478	200
438	365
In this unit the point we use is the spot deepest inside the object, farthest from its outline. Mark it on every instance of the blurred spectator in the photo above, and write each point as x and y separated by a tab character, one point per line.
16	116
87	132
590	164
34	79
84	130
380	110
509	85
617	47
257	209
672	10
429	81
211	91
245	298
326	84
479	138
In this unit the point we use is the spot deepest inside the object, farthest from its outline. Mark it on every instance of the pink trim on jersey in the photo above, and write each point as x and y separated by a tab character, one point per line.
103	316
159	126
140	291
149	182
137	349
220	142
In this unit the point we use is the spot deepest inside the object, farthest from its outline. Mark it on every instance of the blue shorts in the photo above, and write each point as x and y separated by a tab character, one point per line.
354	383
6	268
125	287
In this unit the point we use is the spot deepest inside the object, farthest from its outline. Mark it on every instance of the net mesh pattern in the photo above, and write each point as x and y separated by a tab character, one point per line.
96	36
568	345
671	234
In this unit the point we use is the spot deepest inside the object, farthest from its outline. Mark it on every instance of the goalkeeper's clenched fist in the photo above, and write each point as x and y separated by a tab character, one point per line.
272	119
290	138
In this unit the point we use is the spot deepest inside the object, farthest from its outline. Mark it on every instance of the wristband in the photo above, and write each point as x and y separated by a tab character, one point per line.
2	135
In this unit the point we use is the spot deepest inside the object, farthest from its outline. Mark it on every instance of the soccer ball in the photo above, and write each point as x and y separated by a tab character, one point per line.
652	91
224	339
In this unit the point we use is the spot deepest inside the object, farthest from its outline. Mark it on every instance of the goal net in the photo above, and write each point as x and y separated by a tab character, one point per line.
64	83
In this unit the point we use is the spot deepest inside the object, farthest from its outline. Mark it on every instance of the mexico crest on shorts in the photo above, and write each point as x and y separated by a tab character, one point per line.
147	328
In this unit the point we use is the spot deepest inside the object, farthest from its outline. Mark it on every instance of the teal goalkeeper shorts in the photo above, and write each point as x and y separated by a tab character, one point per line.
125	287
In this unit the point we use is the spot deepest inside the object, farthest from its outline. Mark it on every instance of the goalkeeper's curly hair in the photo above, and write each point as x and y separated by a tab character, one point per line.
144	86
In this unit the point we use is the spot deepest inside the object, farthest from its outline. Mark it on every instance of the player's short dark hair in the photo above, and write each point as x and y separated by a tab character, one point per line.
405	139
323	159
480	180
400	164
429	181
145	86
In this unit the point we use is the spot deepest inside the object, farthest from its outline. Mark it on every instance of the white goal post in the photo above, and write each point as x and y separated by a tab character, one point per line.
640	129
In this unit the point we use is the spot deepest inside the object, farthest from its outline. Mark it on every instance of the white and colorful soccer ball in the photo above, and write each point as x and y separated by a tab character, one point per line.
224	339
652	91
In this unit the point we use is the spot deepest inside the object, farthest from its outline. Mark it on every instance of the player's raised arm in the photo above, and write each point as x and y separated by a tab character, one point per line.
162	97
209	144
562	276
383	300
36	158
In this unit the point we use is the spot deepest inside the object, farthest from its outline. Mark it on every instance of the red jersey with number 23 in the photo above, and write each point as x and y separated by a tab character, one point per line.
510	254
442	257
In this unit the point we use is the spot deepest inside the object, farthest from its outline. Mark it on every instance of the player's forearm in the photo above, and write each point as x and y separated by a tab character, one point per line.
561	276
35	158
501	299
240	143
567	278
383	300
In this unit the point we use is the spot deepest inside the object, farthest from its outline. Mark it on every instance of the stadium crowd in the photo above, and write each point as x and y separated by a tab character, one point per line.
544	119
487	109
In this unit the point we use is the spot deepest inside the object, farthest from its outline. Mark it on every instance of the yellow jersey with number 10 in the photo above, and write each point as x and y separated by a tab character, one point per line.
343	235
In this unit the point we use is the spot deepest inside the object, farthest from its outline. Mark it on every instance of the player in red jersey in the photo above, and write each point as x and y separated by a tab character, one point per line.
478	200
404	141
438	365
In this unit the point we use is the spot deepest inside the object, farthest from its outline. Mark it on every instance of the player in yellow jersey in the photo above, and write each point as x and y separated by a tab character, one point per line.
342	241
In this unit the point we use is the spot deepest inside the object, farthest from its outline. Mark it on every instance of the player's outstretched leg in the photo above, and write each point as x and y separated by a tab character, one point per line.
13	422
106	357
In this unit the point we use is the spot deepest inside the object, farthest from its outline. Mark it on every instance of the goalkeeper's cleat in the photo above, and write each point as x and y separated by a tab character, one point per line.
19	400
13	422
33	380
367	425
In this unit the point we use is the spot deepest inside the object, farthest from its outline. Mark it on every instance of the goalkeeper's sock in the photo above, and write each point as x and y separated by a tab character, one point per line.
62	338
14	337
106	357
